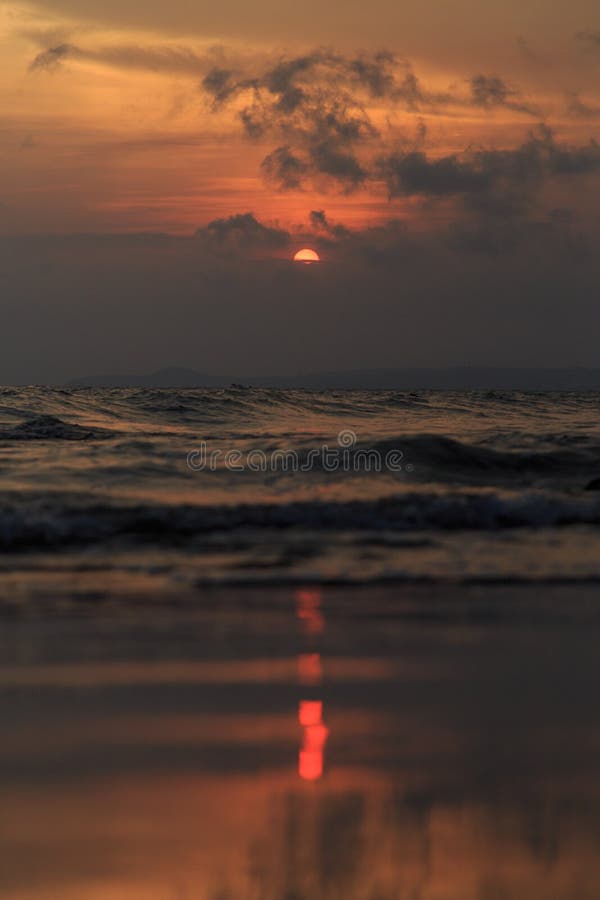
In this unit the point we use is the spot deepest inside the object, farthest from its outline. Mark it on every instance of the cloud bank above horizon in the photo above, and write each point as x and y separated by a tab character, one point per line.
445	175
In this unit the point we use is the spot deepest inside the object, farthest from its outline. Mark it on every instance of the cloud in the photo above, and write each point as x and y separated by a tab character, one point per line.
375	72
320	223
220	84
316	81
168	59
243	231
330	158
490	178
50	59
488	91
291	84
289	169
244	236
318	219
578	109
317	107
315	113
389	296
555	233
284	168
592	38
413	173
321	123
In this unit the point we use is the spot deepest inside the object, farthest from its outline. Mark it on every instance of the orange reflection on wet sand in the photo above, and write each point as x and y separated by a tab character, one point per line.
413	774
314	738
309	610
310	673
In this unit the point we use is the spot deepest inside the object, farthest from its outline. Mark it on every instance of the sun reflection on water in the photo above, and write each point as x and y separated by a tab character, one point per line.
310	674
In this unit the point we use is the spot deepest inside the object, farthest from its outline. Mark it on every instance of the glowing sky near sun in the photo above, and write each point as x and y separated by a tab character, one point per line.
442	159
106	127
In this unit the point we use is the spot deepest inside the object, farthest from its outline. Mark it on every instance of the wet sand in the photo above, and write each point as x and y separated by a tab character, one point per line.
422	742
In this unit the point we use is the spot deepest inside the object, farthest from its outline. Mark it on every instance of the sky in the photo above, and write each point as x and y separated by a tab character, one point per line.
161	163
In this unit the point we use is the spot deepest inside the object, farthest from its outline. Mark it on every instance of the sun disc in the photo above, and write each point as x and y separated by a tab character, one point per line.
306	256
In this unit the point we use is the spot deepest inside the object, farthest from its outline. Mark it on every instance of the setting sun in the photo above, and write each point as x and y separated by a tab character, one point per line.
307	256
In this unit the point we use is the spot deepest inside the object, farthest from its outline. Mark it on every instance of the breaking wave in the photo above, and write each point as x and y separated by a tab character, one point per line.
50	523
50	428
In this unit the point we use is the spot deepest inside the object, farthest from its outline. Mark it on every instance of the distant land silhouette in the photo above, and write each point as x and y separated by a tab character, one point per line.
456	378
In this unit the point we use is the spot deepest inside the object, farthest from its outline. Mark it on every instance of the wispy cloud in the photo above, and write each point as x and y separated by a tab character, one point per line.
579	109
49	60
589	37
168	59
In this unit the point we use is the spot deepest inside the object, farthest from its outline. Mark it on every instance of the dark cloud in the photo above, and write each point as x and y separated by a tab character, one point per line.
375	73
223	84
50	59
488	91
253	120
314	104
578	109
307	84
219	84
489	176
318	218
555	232
293	83
316	107
412	173
321	225
316	81
389	296
284	169
329	158
592	38
289	169
421	133
282	78
243	231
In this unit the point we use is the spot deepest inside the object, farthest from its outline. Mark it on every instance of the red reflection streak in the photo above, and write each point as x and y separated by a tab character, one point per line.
309	610
310	758
310	671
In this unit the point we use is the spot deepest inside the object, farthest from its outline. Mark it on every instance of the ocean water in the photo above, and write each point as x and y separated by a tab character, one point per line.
135	489
269	645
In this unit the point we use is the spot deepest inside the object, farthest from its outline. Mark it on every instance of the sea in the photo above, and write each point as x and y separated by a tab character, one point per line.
182	488
299	645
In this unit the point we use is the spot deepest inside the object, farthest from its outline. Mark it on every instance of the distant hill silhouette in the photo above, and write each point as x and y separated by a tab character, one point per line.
457	378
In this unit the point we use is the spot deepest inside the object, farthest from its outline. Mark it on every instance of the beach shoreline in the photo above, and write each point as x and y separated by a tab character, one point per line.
152	744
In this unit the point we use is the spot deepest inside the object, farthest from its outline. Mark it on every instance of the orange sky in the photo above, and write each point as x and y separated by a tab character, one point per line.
117	134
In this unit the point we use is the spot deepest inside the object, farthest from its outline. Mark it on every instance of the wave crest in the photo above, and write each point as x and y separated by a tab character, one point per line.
49	522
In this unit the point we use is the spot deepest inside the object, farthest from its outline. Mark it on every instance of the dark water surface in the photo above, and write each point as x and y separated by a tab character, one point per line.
98	489
304	744
234	681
